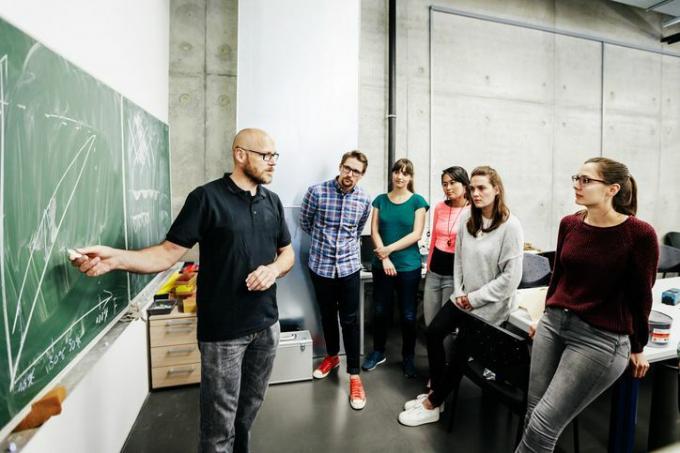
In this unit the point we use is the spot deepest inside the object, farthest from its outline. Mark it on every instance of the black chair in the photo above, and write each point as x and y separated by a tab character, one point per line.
505	354
672	238
366	251
535	271
551	258
669	260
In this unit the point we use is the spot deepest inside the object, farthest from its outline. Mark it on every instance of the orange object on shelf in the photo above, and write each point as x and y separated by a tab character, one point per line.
43	409
185	277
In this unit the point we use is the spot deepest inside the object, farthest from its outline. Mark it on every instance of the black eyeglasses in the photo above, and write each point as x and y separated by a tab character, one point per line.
267	157
346	169
585	180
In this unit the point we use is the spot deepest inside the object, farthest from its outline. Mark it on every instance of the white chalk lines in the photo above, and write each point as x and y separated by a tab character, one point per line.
46	228
3	293
43	241
89	147
107	299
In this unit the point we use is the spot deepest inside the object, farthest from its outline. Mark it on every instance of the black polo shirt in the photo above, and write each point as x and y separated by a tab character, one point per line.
236	233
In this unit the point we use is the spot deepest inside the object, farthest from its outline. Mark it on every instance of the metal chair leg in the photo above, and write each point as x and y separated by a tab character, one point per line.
574	426
520	429
452	407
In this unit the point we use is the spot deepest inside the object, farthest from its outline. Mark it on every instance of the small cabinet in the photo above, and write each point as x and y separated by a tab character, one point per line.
174	358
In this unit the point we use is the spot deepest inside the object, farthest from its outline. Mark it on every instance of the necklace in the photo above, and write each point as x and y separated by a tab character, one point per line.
449	225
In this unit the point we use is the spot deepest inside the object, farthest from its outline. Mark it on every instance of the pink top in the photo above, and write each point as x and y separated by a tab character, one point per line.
445	225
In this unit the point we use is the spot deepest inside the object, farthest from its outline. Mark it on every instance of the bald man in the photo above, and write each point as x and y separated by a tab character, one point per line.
244	247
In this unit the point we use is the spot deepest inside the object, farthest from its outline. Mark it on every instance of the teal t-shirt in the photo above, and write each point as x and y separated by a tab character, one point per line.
394	222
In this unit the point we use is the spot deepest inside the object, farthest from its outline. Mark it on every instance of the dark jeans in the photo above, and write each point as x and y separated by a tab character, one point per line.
444	376
406	285
340	295
234	378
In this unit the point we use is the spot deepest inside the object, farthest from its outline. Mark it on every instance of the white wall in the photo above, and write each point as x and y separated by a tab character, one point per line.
99	413
298	78
125	45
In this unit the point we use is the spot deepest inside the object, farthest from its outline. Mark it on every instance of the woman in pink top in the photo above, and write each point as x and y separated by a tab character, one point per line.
439	279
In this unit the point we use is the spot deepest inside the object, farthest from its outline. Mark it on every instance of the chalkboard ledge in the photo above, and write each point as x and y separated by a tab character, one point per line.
86	360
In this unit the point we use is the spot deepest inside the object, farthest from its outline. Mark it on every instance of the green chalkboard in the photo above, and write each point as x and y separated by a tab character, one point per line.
147	182
79	165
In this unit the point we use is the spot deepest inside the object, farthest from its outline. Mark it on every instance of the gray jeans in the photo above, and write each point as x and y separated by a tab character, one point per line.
438	290
572	363
234	378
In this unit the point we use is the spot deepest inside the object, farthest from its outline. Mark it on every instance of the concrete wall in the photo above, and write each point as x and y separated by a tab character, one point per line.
203	56
528	102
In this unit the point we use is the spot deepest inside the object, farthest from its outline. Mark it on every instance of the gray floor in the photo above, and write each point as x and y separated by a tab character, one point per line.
316	417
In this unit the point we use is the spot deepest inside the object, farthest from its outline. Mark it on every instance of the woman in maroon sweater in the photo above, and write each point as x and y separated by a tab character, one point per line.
598	303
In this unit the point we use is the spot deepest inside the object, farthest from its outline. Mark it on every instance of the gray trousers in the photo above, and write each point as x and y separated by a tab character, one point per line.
572	363
438	290
234	378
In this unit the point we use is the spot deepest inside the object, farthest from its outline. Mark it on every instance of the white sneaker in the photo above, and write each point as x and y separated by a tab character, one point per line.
419	400
419	415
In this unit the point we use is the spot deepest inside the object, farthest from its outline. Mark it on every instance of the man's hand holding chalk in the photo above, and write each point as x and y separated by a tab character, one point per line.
93	261
73	255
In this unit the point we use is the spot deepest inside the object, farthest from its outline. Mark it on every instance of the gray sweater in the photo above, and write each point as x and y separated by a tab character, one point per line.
488	268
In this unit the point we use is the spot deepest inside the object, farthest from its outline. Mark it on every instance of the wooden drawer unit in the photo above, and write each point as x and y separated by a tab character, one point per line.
175	355
169	332
174	358
169	376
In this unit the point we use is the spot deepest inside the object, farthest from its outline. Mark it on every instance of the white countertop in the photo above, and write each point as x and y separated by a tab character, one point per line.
533	299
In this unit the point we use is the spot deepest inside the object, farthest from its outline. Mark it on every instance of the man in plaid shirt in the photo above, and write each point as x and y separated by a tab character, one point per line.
334	213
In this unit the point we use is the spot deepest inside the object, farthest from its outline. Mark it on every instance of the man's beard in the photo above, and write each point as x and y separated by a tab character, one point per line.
346	182
251	174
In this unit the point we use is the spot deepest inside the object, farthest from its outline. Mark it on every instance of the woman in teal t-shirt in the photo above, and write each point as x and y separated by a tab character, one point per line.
396	226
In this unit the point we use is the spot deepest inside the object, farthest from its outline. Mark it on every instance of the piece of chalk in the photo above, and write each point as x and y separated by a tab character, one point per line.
73	255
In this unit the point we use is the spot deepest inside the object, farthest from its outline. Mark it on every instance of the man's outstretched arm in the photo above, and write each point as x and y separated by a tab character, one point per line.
99	259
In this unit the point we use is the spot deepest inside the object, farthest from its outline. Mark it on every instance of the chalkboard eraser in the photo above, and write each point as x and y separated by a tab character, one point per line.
73	255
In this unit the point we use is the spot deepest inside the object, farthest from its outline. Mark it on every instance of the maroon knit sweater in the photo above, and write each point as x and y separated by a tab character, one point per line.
605	275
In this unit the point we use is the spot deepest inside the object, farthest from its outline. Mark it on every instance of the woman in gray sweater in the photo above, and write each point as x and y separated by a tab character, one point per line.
487	271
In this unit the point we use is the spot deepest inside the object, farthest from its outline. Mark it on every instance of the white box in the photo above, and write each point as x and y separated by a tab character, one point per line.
293	360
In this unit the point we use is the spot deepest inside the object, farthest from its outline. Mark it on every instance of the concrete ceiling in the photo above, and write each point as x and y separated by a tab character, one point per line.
669	7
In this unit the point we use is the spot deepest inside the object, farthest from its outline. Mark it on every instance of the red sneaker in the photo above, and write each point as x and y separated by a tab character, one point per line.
357	395
330	362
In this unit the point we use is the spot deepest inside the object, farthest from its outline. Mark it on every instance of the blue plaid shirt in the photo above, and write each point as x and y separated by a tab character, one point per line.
334	220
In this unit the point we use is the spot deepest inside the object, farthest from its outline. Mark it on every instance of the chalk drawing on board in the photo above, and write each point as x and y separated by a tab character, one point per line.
49	108
101	318
24	334
45	235
3	78
65	120
43	239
